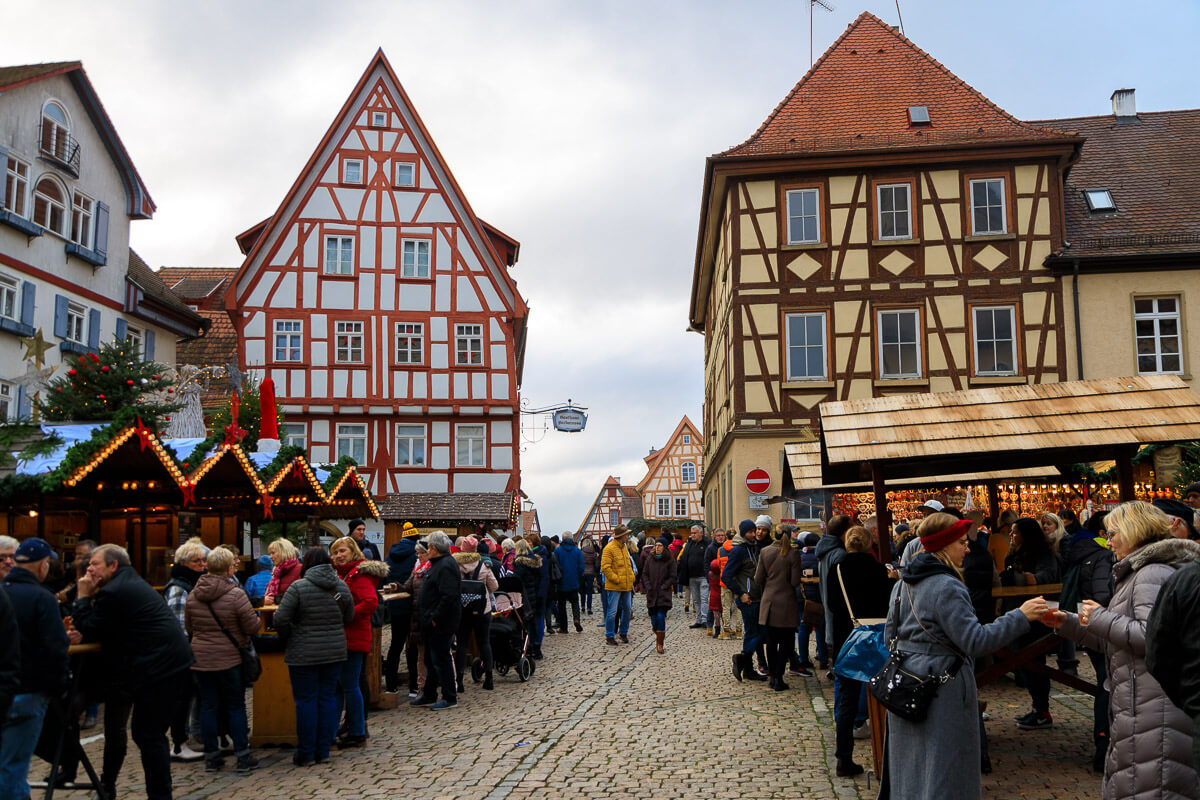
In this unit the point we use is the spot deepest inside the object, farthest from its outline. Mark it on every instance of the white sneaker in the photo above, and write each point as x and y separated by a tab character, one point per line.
863	731
185	753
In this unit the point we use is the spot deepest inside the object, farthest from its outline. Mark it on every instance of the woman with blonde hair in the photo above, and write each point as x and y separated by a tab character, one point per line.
1150	746
286	559
932	622
1052	526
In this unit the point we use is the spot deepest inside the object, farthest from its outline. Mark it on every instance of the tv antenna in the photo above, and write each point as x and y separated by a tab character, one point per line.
811	5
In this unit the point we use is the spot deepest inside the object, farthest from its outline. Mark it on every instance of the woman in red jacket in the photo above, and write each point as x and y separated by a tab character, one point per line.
362	577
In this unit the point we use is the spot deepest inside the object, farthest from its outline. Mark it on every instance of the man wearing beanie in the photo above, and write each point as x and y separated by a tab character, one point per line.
738	577
358	532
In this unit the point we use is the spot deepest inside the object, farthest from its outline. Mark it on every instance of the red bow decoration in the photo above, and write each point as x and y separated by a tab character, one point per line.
267	500
189	494
143	433
233	431
297	469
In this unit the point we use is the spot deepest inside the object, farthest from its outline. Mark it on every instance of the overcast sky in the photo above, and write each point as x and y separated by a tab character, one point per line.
580	129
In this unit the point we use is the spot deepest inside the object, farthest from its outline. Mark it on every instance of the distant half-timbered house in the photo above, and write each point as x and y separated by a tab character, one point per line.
671	488
384	310
883	232
614	505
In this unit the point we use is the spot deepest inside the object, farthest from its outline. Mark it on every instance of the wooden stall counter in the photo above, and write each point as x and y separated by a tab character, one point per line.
274	720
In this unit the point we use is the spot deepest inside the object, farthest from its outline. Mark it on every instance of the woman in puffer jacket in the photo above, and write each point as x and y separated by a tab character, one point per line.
1150	747
528	567
362	577
313	615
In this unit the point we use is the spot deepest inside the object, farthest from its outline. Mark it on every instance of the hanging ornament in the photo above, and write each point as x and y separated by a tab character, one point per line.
104	368
72	372
100	396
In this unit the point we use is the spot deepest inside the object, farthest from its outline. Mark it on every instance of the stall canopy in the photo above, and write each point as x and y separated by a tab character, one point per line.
1002	428
497	509
351	497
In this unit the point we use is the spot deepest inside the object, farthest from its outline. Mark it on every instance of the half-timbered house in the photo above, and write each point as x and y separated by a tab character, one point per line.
384	310
671	488
882	232
614	505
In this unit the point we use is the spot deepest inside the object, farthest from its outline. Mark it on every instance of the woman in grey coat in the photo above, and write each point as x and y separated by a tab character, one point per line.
313	615
1150	746
933	622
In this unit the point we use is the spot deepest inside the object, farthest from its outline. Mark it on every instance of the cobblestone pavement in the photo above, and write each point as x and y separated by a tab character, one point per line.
598	722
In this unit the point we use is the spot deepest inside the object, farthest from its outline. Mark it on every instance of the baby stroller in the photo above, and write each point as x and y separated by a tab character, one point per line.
509	634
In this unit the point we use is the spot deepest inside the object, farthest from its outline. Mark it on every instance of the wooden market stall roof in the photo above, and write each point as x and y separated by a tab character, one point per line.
1002	428
351	496
804	466
297	490
226	477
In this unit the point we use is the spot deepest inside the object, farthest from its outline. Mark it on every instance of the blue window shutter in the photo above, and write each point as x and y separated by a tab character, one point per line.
122	330
93	339
149	348
100	245
60	316
3	171
24	409
28	299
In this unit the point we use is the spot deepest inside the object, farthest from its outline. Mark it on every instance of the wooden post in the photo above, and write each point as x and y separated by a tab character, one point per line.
1125	474
993	496
883	515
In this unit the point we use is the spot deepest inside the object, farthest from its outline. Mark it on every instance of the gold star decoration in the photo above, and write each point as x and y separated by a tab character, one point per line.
36	347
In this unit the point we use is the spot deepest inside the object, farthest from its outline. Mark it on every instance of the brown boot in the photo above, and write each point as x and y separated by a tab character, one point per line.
658	640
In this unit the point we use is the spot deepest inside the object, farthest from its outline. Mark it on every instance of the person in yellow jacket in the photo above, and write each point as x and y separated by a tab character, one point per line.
616	565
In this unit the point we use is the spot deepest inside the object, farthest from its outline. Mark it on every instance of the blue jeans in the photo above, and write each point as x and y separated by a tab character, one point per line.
222	693
537	624
752	632
803	634
350	695
658	619
18	737
314	688
616	619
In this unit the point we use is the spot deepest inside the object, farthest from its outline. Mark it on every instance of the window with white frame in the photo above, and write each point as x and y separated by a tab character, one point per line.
414	258
410	343
348	342
410	445
468	345
339	254
994	329
351	440
10	298
81	220
686	438
135	338
681	507
663	507
379	119
803	221
293	434
289	339
1156	326
806	355
16	187
987	207
469	442
8	405
50	206
808	505
895	218
352	170
56	131
687	472
899	343
76	320
614	518
406	173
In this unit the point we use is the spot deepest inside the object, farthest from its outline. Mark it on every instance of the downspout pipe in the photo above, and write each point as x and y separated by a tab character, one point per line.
1078	324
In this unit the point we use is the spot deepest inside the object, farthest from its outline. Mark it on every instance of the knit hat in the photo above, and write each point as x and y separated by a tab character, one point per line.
484	547
811	539
664	540
409	530
468	544
354	523
745	526
265	562
1175	508
763	521
937	541
1192	487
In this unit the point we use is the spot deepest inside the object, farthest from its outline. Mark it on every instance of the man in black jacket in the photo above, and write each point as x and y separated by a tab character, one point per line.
1172	647
146	658
439	610
43	675
693	572
10	655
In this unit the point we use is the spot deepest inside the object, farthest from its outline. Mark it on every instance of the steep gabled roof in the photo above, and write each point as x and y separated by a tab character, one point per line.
656	458
857	95
1150	167
153	288
140	206
197	284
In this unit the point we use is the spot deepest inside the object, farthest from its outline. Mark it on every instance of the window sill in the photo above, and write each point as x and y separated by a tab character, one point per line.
86	254
471	367
897	383
990	237
25	226
893	242
288	364
805	246
808	385
340	276
996	380
14	327
75	348
415	278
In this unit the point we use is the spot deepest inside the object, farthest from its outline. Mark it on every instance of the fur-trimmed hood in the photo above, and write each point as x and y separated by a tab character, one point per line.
532	561
373	569
466	558
1164	551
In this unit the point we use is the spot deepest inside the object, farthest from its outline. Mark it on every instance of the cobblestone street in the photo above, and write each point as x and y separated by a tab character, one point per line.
597	721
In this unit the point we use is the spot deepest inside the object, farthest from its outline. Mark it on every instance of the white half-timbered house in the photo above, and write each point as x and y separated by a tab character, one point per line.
384	311
671	488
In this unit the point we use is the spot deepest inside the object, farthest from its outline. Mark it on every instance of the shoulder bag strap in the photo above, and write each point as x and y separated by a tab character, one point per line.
221	625
842	585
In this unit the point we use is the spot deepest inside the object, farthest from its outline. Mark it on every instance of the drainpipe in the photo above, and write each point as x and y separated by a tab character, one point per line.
1078	325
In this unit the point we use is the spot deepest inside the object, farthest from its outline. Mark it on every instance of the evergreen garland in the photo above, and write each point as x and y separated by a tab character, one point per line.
337	471
282	458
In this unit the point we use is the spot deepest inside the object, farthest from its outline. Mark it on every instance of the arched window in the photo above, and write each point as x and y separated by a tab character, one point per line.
50	206
56	131
687	472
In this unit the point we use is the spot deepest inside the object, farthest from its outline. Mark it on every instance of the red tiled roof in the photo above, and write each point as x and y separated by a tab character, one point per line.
197	284
857	95
217	347
1150	166
15	76
448	507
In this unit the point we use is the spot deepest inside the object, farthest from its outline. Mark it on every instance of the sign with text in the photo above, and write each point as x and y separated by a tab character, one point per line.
568	420
758	480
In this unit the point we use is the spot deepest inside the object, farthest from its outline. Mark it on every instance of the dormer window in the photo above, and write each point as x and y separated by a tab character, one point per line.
1099	200
918	115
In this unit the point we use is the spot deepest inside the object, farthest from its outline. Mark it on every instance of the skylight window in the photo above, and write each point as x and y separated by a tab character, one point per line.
1099	200
918	115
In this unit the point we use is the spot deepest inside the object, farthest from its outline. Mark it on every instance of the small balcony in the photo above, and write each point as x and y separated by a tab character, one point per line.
58	147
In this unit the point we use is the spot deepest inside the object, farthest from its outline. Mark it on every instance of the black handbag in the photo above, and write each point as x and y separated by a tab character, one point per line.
251	666
906	694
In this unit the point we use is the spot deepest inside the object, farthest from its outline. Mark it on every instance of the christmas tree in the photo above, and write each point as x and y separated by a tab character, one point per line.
110	383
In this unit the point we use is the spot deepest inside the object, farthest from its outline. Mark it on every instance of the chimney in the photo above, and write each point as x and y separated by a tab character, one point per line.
1123	104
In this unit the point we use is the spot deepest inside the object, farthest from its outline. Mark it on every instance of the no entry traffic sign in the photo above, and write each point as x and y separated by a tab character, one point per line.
757	480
